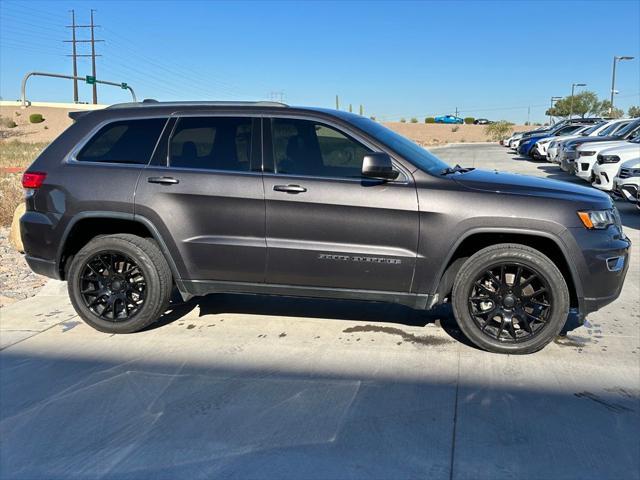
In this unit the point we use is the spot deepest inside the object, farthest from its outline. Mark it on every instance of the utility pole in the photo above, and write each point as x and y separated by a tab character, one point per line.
337	103
74	54
361	110
573	88
529	115
93	55
277	96
93	60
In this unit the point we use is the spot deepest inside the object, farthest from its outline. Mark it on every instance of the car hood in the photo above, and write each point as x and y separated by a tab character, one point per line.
628	149
599	146
592	139
513	184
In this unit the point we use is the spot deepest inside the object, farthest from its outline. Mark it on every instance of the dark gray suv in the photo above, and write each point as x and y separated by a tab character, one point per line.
263	198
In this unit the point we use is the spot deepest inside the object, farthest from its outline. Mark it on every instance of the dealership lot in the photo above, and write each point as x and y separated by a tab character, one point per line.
255	387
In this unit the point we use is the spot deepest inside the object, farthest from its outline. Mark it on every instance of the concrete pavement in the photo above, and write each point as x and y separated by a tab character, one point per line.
239	386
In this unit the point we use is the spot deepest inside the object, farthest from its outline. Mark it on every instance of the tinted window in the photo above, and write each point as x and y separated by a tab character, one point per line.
413	152
303	147
127	141
216	143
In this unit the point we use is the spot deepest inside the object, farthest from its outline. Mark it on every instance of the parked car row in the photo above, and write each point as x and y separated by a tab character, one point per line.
605	153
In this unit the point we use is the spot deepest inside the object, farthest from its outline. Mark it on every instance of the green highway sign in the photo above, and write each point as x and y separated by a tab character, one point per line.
91	80
124	86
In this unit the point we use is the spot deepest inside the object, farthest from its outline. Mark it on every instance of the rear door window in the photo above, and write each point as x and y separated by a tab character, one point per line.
212	143
125	141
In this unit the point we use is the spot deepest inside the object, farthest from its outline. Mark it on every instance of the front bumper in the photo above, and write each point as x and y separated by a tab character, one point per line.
602	262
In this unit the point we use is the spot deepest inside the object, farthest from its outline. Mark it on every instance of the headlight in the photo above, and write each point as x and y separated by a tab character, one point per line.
598	219
587	153
552	144
635	172
608	159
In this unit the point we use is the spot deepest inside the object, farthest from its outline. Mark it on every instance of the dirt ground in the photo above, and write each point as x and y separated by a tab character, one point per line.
57	119
438	134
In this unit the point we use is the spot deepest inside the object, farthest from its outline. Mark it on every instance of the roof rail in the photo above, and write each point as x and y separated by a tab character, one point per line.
149	102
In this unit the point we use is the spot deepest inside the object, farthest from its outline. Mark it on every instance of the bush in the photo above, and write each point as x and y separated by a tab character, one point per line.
499	130
429	120
36	118
469	120
403	120
7	123
455	128
414	120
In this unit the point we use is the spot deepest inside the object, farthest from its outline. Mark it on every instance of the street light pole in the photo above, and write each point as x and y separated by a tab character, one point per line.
613	80
573	86
553	99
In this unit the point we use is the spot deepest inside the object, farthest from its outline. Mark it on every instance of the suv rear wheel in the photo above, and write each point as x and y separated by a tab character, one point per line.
510	298
119	283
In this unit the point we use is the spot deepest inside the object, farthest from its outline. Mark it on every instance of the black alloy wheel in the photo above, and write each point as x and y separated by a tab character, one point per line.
510	302
112	286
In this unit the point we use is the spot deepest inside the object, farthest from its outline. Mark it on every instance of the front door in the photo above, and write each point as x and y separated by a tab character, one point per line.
206	200
326	225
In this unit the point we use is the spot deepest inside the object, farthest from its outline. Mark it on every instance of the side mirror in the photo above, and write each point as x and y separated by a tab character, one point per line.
378	165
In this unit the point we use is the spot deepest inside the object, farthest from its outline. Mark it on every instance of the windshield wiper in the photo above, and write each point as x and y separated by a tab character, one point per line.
456	169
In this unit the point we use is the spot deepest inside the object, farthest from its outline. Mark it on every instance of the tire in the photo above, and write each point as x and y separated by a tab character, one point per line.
119	283
505	315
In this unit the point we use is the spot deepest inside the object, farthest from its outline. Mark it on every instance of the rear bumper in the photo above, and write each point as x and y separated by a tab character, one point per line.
42	266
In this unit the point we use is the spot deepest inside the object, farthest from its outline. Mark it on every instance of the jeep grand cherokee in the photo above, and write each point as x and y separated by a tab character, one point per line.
264	198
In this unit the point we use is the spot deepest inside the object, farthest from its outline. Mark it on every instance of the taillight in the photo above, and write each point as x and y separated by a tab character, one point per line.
33	179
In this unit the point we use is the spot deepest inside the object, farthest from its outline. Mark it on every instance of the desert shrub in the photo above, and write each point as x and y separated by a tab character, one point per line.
403	120
469	120
499	130
7	123
36	118
455	128
429	120
414	120
462	140
11	194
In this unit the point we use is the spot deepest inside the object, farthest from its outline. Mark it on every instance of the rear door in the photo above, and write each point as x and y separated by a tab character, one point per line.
326	225
202	193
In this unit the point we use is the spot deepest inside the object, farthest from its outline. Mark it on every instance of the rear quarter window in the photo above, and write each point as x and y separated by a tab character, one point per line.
124	141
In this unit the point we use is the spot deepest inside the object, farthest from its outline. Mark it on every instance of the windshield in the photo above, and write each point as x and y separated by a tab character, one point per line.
413	152
629	128
590	130
610	129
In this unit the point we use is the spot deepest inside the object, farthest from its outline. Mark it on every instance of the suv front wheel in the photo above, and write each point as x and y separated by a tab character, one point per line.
119	283
510	298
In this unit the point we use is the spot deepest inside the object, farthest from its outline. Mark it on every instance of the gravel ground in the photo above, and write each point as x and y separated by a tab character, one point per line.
17	281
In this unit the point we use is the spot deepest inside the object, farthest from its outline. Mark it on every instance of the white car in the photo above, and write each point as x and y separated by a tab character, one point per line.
560	154
512	140
609	161
627	182
541	147
587	157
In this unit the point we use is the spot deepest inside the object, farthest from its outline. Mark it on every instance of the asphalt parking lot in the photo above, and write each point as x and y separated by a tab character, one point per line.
235	386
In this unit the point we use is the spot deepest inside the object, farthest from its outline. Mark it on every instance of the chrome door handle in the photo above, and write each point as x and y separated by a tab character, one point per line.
163	180
289	188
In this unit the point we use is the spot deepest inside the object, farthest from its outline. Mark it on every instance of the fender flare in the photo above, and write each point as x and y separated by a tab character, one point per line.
122	216
575	277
